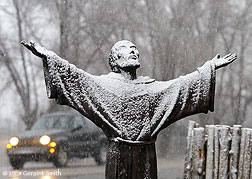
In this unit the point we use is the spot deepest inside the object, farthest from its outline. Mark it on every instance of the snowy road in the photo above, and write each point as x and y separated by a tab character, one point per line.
78	168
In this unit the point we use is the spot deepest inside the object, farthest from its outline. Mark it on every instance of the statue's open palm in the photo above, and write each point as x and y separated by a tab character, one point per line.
223	61
35	49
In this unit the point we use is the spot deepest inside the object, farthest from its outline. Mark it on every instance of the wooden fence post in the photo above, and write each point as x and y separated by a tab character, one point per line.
241	155
198	153
247	155
216	153
210	151
224	141
235	150
189	151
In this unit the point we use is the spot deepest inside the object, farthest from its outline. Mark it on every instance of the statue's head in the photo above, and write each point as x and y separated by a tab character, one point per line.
124	55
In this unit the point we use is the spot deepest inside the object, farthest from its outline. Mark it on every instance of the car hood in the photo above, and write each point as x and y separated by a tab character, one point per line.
38	133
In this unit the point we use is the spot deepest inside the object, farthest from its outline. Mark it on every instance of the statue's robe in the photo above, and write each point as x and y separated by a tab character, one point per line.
130	112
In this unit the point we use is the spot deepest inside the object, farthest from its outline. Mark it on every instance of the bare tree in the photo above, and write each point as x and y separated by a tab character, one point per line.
17	66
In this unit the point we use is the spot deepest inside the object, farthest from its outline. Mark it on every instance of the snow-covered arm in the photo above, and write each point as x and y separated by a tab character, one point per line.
187	95
64	82
197	91
73	87
60	76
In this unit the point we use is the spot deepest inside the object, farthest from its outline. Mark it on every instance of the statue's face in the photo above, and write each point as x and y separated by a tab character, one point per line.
126	54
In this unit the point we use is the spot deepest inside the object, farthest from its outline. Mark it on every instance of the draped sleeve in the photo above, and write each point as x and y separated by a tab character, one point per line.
197	91
187	95
74	87
64	80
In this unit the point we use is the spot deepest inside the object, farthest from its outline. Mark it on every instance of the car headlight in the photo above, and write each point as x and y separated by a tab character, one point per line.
14	141
45	139
52	144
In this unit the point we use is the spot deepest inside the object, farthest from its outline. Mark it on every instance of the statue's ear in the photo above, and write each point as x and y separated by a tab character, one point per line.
112	62
115	69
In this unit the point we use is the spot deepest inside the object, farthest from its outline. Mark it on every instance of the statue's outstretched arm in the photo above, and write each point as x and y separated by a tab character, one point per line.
35	49
223	61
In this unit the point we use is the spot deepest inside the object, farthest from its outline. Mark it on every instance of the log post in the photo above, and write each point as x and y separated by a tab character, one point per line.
234	153
210	152
216	153
241	155
198	153
189	151
224	140
247	155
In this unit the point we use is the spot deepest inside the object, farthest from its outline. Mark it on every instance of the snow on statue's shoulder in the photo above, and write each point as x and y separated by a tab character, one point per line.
139	80
142	85
119	85
143	80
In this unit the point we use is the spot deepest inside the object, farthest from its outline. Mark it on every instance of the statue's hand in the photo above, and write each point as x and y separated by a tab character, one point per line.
35	49
223	61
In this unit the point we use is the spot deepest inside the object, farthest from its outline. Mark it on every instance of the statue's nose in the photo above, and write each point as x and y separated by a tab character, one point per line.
132	52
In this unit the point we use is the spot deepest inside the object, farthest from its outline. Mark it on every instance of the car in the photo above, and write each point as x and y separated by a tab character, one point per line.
56	138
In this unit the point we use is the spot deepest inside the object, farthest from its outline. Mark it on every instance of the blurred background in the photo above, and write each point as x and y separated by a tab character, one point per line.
173	37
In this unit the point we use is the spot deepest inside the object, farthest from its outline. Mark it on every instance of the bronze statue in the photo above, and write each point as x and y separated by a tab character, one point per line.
130	110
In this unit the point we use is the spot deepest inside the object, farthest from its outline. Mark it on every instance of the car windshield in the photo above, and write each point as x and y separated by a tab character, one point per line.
51	122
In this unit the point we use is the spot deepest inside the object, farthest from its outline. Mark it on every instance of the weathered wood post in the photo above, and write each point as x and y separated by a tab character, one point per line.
216	153
241	155
198	153
245	154
210	151
224	143
235	150
189	151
